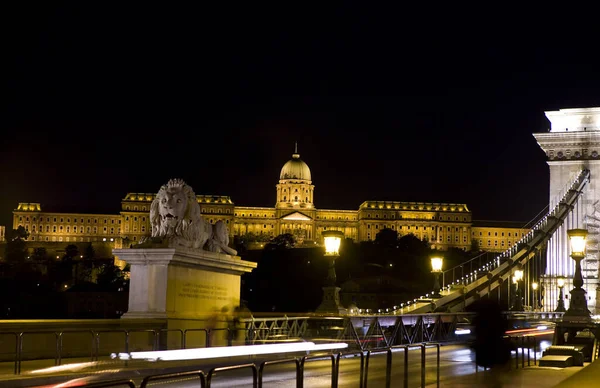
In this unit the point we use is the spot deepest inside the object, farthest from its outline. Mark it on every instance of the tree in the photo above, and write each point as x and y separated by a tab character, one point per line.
475	245
110	275
15	250
283	241
387	237
411	243
40	254
89	253
71	252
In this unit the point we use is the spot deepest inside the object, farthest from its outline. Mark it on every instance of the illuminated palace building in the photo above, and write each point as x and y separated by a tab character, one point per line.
444	225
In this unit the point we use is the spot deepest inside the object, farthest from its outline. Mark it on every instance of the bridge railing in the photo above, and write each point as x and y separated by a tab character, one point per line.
257	371
361	332
491	275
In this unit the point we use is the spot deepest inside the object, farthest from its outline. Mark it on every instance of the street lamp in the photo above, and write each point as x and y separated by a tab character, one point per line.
436	268
560	307
332	240
518	275
578	310
534	286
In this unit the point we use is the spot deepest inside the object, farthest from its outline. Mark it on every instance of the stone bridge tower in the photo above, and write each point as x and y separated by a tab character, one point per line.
573	144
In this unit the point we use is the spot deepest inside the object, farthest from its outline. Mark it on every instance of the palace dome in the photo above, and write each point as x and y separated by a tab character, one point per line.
295	168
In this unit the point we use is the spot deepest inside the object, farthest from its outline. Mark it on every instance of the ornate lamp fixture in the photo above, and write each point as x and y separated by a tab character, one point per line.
437	263
578	311
518	305
332	240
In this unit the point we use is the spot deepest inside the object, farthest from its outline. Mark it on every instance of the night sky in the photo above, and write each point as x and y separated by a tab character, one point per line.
401	104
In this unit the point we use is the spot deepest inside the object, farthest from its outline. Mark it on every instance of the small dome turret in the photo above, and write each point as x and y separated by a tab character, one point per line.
295	168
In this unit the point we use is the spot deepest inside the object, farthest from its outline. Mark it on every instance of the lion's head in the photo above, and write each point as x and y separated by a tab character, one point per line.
175	213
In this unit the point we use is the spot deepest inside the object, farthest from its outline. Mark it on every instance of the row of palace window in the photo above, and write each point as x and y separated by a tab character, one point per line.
135	208
257	215
409	227
54	219
433	239
211	210
502	234
135	228
67	229
489	243
295	199
393	217
68	239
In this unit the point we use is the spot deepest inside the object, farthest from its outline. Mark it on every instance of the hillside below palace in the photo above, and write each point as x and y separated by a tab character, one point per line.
443	225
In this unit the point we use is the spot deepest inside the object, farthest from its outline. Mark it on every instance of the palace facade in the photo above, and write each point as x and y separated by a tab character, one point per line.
443	225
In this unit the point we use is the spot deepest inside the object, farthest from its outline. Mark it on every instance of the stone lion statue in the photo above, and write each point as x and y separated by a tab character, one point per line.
175	220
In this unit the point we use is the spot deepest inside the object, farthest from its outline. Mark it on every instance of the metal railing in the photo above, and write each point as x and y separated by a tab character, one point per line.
364	332
526	344
95	340
258	372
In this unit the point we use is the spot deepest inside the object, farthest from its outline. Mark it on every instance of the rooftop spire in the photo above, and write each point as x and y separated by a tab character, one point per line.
296	155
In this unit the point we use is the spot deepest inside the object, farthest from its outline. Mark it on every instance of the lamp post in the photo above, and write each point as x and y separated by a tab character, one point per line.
534	287
518	306
560	306
578	310
436	268
331	293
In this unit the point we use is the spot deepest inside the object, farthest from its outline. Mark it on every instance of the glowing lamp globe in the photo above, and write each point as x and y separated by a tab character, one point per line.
436	264
519	274
561	282
534	286
332	240
578	239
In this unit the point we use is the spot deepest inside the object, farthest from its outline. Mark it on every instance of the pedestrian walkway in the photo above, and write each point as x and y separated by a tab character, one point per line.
528	377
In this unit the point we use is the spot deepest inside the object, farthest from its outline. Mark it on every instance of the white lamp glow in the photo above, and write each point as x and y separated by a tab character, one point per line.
519	274
578	238
534	285
332	240
561	282
436	264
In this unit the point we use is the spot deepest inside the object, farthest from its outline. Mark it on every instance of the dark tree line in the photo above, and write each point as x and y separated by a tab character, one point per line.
291	279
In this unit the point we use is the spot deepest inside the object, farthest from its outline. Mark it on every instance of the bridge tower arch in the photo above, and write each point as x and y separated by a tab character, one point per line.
572	144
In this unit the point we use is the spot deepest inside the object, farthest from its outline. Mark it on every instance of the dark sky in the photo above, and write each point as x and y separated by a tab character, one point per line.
431	104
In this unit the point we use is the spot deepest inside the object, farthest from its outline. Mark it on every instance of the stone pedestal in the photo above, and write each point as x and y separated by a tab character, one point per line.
189	288
331	301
